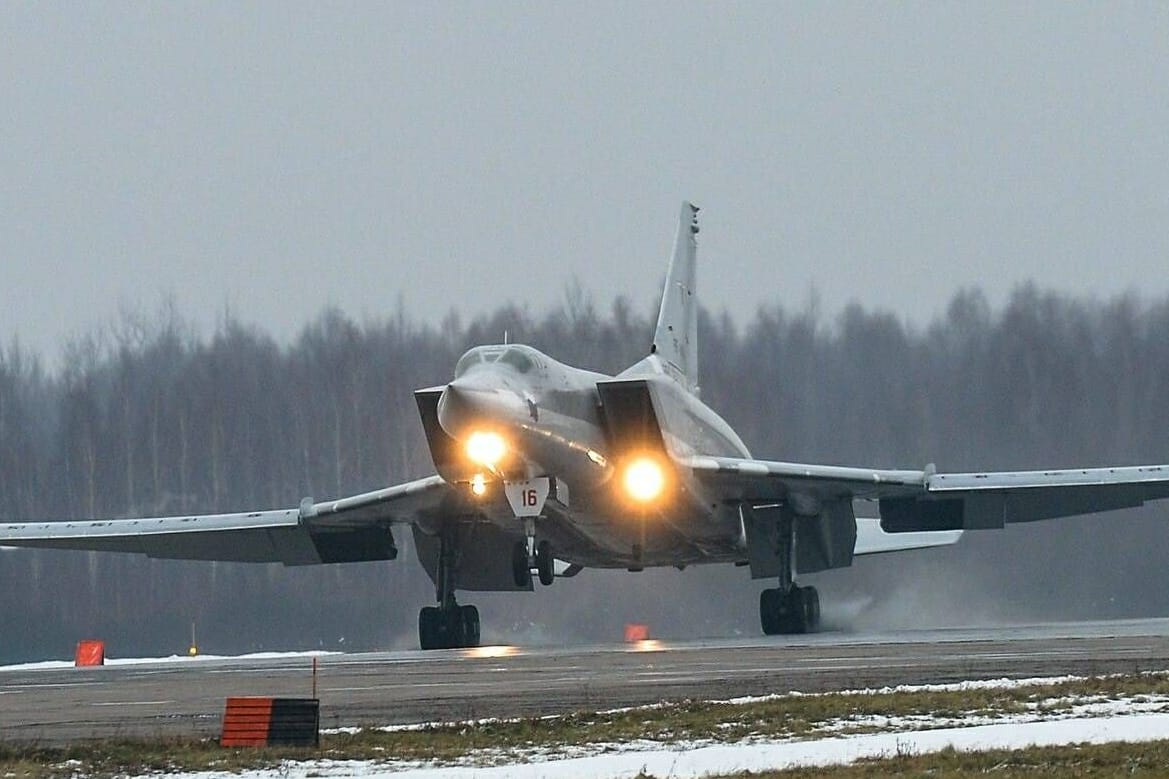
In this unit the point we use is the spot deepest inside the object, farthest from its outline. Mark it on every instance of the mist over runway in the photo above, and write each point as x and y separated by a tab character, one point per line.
185	697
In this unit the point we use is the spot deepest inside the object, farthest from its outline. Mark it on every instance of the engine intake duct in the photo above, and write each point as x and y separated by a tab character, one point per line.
631	421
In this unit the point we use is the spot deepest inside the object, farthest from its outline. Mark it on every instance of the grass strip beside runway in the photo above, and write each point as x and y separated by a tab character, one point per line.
494	742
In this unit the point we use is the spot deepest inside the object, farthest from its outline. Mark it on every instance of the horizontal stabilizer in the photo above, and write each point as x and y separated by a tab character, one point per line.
871	539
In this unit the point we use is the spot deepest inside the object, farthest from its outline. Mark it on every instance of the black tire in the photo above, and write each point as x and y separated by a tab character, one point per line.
771	612
794	620
428	621
520	571
452	628
545	563
469	616
810	600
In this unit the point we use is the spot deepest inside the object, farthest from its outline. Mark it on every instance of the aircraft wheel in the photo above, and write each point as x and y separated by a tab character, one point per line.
795	612
545	563
519	565
810	601
452	628
469	617
771	611
428	628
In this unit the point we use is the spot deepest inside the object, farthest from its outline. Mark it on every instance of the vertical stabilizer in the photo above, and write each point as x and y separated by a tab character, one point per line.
676	336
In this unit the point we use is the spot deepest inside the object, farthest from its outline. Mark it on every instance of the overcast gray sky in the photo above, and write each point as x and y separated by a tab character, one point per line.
277	157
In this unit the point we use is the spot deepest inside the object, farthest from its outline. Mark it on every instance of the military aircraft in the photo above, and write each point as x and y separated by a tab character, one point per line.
543	469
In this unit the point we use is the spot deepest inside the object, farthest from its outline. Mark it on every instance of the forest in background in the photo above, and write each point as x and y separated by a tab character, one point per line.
150	418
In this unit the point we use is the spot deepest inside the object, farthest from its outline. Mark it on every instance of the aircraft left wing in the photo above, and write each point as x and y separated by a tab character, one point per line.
917	501
352	529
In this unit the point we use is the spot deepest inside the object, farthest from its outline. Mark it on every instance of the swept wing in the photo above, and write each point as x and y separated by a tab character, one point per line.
351	529
914	501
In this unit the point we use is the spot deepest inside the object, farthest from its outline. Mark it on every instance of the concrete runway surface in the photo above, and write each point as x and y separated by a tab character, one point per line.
186	697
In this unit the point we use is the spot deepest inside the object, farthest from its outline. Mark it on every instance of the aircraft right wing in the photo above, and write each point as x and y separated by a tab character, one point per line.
352	529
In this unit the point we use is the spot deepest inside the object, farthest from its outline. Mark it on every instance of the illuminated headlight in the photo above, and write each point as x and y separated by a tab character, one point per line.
644	479
487	449
478	485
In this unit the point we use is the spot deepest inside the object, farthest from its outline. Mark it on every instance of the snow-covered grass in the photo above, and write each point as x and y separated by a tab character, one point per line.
684	760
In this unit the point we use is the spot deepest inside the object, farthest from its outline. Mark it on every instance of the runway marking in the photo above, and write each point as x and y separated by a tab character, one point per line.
42	685
130	703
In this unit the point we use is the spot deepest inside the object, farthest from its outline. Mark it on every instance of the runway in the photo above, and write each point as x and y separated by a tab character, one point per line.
186	697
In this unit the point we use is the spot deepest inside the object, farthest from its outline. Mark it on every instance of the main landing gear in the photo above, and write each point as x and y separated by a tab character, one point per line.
796	610
448	625
528	556
788	608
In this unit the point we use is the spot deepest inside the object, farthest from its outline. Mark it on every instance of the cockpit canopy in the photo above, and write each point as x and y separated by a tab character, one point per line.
522	359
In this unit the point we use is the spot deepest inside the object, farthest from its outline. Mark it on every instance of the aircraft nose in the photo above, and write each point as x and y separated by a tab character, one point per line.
472	402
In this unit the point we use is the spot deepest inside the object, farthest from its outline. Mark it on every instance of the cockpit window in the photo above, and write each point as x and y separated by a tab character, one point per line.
512	356
517	359
466	361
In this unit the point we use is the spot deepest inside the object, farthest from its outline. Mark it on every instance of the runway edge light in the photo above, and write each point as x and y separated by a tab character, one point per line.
89	652
635	631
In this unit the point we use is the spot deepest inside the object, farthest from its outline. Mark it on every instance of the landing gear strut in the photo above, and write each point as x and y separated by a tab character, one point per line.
527	502
527	555
448	625
788	608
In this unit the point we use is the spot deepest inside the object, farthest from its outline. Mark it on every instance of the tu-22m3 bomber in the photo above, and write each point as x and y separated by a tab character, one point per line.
543	469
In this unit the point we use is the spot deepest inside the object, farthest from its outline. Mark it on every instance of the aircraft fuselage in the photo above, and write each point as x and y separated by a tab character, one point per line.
552	422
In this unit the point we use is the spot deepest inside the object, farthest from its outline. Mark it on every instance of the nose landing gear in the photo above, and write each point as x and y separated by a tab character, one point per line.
527	500
528	556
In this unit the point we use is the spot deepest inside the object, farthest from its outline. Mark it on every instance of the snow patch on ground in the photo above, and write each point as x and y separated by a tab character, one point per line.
1052	721
686	760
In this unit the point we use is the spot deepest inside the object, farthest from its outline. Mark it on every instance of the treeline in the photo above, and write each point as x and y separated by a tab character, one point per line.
149	418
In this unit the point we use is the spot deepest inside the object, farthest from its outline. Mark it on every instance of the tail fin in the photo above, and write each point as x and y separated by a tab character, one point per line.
676	337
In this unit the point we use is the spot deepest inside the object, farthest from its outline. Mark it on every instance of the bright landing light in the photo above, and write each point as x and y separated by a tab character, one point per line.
487	449
644	479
